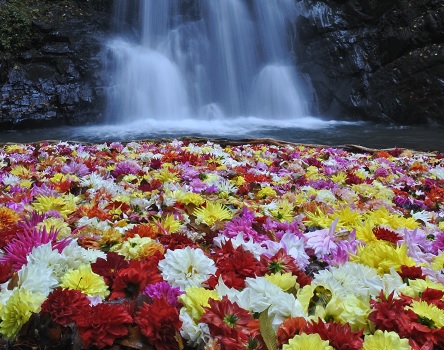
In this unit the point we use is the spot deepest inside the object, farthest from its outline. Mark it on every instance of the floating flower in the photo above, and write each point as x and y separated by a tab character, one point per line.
307	342
385	340
138	248
17	310
159	322
186	267
102	324
212	212
85	280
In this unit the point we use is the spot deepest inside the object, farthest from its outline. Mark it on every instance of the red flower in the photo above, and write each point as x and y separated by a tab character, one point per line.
234	265
64	305
386	235
176	241
340	336
131	281
283	262
411	272
102	324
109	268
6	271
389	315
228	323
159	322
289	328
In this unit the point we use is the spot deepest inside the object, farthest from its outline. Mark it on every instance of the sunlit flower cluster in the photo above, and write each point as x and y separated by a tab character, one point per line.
196	245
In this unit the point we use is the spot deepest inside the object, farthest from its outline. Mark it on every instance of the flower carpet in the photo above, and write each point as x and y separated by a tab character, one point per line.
203	245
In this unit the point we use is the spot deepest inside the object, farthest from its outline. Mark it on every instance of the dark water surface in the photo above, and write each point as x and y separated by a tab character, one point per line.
307	131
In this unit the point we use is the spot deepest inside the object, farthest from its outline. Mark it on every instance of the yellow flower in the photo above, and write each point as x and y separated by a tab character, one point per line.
56	224
318	219
353	310
86	281
137	247
166	174
18	309
307	342
417	286
168	223
385	341
239	180
195	298
382	217
428	314
212	212
20	171
438	262
365	233
266	192
65	205
188	197
382	256
284	211
347	218
285	281
339	177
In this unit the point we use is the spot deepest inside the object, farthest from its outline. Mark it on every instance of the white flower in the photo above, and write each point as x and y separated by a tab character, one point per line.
186	267
438	172
293	246
261	294
37	278
74	255
45	255
197	335
254	248
351	278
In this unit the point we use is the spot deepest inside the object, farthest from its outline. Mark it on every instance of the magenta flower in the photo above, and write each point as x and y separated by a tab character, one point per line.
163	289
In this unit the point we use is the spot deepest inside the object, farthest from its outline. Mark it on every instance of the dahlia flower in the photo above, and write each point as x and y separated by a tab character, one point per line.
307	342
186	267
385	340
85	280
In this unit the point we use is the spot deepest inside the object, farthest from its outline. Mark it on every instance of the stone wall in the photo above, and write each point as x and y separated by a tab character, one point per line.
373	59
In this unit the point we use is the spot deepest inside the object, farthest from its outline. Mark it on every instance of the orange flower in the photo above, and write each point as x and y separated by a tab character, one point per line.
289	328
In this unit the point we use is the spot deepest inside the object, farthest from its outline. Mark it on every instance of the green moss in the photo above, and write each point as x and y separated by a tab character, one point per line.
15	25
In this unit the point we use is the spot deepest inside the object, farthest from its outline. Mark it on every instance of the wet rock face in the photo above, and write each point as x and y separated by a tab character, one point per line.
59	79
372	59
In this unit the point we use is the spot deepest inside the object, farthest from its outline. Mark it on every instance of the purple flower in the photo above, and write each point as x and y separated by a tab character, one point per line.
163	289
76	168
125	168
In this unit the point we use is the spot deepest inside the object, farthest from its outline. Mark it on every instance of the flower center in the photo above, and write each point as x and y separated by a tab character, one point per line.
231	320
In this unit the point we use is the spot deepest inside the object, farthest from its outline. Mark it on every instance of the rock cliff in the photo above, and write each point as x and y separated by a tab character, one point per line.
373	59
50	63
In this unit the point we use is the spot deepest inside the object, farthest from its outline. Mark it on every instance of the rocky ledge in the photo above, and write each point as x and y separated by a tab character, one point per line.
50	63
373	59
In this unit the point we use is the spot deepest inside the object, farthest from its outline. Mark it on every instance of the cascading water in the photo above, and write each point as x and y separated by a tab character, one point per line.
230	59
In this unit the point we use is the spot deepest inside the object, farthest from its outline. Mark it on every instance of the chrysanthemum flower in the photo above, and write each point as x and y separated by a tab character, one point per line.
385	340
186	267
138	248
307	342
382	256
212	212
85	280
195	298
65	205
285	281
18	309
428	314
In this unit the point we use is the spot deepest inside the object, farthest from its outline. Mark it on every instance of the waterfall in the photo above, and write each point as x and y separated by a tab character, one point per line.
230	58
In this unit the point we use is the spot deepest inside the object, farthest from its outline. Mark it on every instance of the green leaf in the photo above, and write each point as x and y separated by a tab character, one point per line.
267	330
